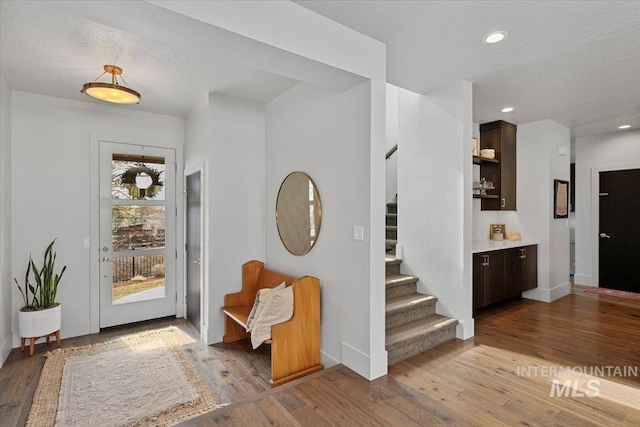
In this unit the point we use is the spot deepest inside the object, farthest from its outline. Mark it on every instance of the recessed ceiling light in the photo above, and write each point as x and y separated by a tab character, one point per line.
624	127
495	37
507	109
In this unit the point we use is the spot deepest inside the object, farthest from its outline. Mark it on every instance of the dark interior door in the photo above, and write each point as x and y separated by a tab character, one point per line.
619	233
194	248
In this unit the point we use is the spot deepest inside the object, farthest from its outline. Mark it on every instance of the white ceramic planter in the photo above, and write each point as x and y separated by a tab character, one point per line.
39	323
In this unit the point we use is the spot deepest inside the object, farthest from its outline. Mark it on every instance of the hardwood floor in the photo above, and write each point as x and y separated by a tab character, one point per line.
488	380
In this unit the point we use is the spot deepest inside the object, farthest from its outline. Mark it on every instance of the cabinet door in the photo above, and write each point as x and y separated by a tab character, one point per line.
494	290
521	270
529	268
478	281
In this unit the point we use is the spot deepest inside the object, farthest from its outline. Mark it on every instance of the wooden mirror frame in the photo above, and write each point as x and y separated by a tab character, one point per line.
293	214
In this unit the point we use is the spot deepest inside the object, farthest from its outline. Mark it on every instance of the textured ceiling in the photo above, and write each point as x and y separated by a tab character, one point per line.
52	53
577	63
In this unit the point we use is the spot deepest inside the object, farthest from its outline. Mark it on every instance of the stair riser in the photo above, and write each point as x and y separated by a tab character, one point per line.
401	290
391	234
418	312
392	220
417	346
392	208
392	269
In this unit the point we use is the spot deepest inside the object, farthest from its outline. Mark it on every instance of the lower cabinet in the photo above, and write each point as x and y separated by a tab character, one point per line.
502	274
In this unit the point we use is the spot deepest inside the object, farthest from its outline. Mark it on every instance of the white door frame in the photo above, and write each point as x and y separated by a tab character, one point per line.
595	215
94	211
204	249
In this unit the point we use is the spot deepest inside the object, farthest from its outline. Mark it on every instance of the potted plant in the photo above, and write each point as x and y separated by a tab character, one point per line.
41	315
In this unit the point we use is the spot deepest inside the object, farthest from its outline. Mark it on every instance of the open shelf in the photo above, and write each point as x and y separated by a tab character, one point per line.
486	196
478	160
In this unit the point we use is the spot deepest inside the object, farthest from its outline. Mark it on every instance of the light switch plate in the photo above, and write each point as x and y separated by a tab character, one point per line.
86	242
358	232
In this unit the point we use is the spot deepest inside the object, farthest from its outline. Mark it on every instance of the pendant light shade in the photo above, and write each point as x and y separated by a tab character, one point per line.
114	91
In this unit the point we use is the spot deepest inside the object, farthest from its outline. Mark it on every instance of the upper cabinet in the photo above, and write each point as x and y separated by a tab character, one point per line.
501	136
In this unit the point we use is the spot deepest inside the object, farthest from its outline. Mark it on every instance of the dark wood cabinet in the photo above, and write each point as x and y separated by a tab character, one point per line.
502	274
521	269
500	136
488	278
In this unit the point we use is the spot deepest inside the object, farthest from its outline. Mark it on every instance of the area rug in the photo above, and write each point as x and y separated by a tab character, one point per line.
613	293
138	380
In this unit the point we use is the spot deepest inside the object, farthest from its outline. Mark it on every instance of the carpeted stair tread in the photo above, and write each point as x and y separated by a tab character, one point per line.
407	302
392	227
394	280
391	242
392	260
391	219
400	335
392	265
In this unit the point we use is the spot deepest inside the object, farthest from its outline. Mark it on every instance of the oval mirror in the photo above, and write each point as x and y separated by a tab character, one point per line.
298	213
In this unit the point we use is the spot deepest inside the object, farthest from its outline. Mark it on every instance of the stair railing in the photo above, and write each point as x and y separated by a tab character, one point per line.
393	150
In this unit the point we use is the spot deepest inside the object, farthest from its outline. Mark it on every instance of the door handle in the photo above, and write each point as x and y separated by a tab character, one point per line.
504	203
196	261
605	236
523	253
105	259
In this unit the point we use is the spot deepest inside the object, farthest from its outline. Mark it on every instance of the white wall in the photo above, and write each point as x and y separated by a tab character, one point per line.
228	136
538	164
326	135
51	175
391	139
599	152
434	196
312	48
5	220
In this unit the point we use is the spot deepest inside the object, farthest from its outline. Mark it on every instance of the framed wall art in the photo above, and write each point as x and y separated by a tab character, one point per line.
560	198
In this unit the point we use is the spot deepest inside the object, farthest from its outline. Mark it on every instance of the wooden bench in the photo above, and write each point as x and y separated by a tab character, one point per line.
295	344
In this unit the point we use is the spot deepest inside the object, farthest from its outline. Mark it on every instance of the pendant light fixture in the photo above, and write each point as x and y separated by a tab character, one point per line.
114	91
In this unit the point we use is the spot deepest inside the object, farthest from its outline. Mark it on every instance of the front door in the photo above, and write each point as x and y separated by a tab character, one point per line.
194	248
619	233
137	233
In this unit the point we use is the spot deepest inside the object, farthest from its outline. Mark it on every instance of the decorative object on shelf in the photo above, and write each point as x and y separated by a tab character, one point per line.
515	237
474	147
481	187
41	315
114	91
560	198
488	153
497	231
298	213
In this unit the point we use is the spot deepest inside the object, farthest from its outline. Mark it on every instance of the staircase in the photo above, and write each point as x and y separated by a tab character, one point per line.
391	229
412	325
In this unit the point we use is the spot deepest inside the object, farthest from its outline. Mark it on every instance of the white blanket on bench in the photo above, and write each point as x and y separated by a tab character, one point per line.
278	309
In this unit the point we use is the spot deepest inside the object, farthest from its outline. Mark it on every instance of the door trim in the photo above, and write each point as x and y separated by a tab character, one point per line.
204	249
595	215
94	211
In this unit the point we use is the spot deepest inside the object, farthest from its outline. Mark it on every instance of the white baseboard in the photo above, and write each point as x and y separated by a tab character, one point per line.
582	279
327	360
465	329
370	367
215	334
548	295
5	349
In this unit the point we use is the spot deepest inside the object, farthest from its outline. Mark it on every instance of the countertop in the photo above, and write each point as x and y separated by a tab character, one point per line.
494	245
